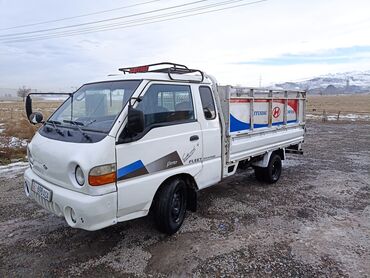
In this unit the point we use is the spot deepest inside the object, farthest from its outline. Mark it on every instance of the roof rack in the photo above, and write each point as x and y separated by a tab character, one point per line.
168	67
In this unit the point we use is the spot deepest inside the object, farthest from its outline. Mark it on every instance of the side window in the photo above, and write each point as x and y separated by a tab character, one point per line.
164	103
207	102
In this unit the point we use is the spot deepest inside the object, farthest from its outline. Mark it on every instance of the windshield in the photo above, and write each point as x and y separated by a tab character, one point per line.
95	106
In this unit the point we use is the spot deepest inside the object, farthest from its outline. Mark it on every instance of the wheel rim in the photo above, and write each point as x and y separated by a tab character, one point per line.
276	169
177	206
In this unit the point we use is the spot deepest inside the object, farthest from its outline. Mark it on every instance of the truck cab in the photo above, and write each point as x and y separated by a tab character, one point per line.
99	170
145	140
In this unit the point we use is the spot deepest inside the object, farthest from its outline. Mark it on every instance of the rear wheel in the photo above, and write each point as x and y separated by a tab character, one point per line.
170	206
272	172
274	169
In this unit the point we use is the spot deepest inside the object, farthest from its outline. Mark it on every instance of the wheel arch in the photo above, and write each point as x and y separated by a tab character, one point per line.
281	153
266	158
191	186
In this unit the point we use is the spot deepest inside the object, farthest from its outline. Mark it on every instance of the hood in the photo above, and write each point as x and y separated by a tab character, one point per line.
56	161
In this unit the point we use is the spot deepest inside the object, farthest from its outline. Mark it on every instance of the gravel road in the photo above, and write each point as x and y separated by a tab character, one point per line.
314	222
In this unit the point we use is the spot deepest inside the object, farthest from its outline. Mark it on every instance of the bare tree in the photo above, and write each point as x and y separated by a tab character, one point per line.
23	92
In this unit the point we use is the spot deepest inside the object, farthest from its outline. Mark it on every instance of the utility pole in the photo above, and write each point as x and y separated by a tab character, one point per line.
260	80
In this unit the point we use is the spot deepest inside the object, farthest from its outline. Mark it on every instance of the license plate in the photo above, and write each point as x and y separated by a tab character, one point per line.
41	191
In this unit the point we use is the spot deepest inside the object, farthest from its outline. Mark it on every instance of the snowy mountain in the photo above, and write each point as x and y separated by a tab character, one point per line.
347	82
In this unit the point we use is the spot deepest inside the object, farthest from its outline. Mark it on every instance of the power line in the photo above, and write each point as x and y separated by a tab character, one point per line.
103	20
78	16
132	25
128	24
103	27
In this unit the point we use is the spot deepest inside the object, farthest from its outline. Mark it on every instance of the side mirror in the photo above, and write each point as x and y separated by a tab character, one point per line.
28	107
135	121
33	117
36	118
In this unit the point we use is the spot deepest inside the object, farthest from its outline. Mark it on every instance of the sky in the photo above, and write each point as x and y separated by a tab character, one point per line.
266	42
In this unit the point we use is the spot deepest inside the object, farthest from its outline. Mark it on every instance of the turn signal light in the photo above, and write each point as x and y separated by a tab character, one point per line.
101	175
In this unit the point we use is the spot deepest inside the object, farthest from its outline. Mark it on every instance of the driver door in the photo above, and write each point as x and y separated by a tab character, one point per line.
171	143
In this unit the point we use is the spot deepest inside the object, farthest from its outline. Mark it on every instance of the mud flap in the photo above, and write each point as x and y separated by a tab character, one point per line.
191	199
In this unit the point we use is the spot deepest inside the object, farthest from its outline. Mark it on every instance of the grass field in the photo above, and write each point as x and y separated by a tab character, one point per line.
343	103
14	125
13	121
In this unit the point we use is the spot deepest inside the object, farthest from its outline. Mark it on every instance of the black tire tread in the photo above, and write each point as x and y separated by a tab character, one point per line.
268	176
161	206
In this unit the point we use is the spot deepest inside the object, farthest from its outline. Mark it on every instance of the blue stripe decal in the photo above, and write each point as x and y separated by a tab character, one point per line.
236	125
274	124
260	125
292	121
129	168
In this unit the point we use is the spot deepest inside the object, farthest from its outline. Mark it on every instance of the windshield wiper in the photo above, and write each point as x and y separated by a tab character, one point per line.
89	123
73	122
77	124
54	123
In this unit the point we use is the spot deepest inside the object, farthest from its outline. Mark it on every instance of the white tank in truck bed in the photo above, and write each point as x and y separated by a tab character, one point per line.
259	120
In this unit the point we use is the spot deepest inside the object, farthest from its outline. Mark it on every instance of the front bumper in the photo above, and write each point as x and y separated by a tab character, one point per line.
79	210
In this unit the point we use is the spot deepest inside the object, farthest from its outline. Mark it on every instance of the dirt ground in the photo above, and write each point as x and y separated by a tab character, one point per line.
314	222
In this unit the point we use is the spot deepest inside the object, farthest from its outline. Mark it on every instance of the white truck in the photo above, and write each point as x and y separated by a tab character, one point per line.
150	138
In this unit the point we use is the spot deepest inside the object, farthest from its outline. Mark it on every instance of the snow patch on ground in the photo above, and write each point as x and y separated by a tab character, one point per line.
16	142
291	162
12	142
350	117
12	169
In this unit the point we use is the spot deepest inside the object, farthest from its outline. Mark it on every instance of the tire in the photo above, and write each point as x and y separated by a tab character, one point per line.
273	170
170	206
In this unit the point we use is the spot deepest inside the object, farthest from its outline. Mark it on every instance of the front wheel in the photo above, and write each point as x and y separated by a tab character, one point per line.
170	206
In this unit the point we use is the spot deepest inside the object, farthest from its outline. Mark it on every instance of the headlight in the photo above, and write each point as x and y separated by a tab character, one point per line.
79	175
103	174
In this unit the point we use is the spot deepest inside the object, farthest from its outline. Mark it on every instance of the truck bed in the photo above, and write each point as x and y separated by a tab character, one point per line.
258	120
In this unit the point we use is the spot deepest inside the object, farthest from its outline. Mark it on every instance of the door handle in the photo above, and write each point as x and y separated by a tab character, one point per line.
194	138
